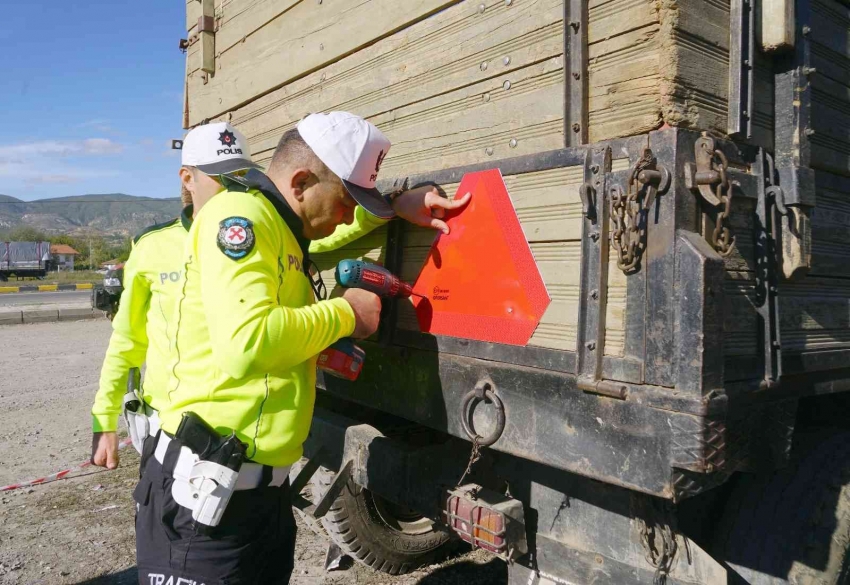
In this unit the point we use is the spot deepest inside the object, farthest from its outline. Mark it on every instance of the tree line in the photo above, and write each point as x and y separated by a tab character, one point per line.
94	249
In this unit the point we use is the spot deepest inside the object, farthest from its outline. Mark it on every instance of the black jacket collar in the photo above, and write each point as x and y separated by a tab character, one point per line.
186	216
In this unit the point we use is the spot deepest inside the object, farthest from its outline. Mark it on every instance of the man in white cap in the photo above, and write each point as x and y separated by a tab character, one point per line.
248	330
153	276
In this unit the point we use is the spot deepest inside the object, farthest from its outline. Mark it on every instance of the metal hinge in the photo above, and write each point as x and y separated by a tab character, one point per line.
593	287
742	53
770	197
707	176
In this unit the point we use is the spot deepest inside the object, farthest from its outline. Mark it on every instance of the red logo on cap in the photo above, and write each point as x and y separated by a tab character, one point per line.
381	156
227	138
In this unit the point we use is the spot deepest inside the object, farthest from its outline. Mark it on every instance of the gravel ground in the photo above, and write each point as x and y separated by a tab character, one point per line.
80	530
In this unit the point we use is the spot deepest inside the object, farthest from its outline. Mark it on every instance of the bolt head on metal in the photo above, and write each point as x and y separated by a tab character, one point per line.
321	47
576	76
590	345
481	8
594	236
807	30
810	132
510	310
594	294
484	66
506	60
508	2
489	151
506	85
512	143
576	127
486	97
594	169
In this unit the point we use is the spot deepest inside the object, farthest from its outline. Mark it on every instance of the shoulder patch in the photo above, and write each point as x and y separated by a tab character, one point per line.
154	228
235	237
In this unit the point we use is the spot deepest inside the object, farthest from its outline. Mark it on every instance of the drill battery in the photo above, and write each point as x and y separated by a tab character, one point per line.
343	359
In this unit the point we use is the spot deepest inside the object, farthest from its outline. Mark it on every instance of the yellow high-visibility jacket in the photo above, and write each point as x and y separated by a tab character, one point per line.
248	328
153	277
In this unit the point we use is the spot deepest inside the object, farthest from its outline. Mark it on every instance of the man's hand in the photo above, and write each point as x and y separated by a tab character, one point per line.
104	450
367	311
424	206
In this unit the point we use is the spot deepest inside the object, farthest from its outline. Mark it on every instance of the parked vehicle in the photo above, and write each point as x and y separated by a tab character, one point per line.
105	297
24	260
680	413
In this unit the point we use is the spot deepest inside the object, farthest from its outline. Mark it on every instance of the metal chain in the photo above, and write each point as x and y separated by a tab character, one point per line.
658	539
474	456
628	234
721	237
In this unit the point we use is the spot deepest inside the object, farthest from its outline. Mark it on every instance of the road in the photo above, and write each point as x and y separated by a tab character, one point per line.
71	297
80	530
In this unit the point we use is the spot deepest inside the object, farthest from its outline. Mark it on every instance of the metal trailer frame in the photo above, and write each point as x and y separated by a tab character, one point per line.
621	440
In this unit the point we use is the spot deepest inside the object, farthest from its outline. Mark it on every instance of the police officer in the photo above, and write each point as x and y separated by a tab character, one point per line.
153	276
248	331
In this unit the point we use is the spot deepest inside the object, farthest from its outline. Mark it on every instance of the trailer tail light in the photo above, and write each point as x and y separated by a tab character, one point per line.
488	520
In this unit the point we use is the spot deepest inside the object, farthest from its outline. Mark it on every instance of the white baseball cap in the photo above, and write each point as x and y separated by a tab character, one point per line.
217	149
353	149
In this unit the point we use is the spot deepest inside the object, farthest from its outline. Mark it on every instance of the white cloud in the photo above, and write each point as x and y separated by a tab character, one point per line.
47	149
54	179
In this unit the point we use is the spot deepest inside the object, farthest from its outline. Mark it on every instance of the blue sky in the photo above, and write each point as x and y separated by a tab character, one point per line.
92	94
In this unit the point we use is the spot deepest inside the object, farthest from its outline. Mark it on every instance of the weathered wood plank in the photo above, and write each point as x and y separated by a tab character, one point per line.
612	18
431	58
462	127
238	19
623	78
302	39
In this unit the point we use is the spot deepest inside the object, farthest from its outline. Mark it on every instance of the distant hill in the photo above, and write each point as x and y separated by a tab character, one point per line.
110	214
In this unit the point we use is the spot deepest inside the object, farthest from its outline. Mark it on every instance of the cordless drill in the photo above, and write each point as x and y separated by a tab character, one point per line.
344	359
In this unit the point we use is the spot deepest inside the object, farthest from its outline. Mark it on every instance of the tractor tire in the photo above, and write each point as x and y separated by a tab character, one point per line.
379	534
793	525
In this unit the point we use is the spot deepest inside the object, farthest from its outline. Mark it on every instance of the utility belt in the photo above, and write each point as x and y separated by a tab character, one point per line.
209	468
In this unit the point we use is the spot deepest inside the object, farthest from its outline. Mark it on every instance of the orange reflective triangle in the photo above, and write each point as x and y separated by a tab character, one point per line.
480	281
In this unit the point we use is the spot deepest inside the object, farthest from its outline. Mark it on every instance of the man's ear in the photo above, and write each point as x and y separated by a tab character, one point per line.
301	180
187	179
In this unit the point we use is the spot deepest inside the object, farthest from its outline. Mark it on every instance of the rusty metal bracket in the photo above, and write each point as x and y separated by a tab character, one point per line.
708	177
575	72
742	53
